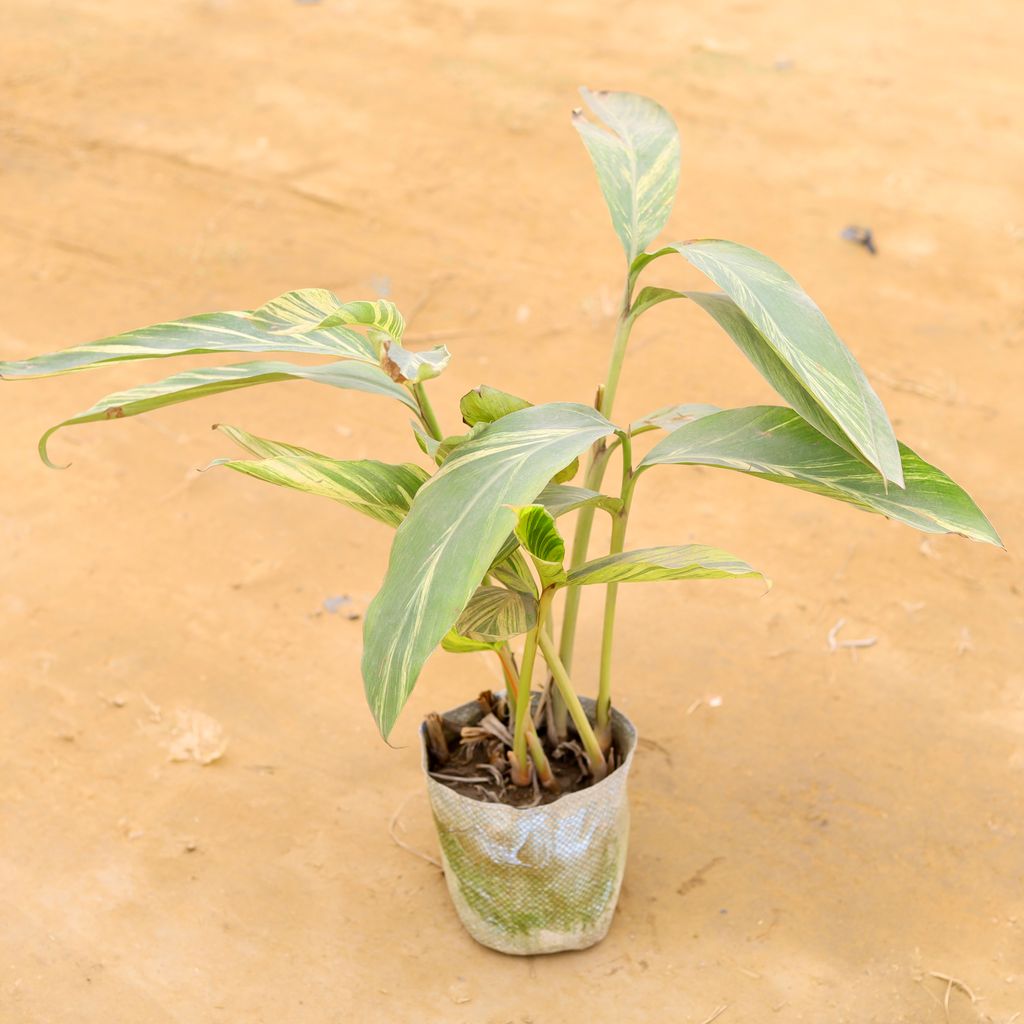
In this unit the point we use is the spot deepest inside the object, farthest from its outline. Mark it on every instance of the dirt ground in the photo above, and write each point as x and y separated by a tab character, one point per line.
818	835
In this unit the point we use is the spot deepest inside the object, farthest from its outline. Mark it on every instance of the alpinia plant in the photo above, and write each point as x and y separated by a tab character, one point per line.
478	558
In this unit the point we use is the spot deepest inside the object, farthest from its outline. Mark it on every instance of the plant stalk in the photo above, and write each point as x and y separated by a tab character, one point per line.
536	748
595	758
604	692
520	768
594	475
427	414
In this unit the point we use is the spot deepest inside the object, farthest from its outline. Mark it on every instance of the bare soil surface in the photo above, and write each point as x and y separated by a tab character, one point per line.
195	803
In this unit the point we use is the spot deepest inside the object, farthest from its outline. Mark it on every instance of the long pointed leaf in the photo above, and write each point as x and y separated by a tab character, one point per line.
231	331
788	339
637	163
377	489
776	444
263	447
453	532
192	384
648	565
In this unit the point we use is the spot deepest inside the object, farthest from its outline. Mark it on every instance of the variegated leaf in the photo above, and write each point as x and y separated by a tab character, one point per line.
636	156
560	499
262	447
486	404
494	614
648	565
212	380
787	338
776	444
316	309
377	489
513	570
197	335
536	531
671	416
452	534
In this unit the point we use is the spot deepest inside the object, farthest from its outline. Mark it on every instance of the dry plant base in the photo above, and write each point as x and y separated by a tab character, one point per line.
473	759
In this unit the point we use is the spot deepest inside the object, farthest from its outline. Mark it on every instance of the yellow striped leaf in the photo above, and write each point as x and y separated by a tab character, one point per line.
494	614
377	489
776	444
650	565
212	380
448	541
783	333
536	531
636	156
264	330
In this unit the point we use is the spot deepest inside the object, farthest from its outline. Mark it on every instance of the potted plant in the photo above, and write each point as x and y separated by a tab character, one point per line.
528	786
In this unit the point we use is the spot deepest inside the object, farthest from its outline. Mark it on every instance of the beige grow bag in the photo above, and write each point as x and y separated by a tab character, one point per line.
539	879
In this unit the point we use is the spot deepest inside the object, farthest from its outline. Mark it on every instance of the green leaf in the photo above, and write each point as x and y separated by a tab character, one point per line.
566	474
457	525
495	614
259	331
787	338
442	449
377	489
649	297
648	565
315	309
213	380
403	366
560	499
453	643
637	162
486	404
671	416
262	447
513	570
536	531
776	444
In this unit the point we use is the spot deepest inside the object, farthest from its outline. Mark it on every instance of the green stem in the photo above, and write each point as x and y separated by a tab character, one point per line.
595	474
595	758
604	692
427	414
533	742
520	774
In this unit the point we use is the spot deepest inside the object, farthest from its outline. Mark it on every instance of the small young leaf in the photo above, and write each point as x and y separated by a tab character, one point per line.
536	531
486	404
453	643
511	568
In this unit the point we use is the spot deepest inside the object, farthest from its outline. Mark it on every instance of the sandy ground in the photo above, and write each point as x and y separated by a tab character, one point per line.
826	842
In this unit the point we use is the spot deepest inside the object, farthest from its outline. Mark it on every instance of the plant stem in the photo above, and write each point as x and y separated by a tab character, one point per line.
604	692
540	759
520	772
594	475
595	758
427	414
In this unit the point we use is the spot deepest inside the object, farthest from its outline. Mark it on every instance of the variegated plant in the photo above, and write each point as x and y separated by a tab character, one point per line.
478	558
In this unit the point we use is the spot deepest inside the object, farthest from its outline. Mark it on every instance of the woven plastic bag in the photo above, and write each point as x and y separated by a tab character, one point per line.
539	879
